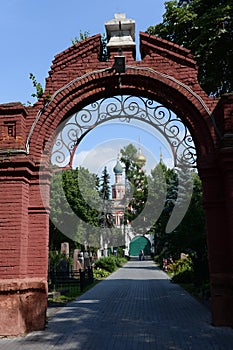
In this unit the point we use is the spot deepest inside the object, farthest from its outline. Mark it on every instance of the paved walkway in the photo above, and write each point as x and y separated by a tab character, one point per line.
136	308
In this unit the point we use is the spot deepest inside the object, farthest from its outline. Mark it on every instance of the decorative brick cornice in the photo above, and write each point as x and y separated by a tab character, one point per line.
13	108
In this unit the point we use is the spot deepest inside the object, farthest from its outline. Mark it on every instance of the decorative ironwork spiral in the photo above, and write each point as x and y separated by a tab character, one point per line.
124	108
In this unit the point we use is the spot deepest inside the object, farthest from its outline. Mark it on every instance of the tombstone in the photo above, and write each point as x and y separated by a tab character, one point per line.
63	267
75	259
105	252
65	248
81	259
77	265
99	253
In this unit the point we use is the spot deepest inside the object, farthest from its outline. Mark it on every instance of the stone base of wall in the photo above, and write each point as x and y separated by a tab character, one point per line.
221	299
23	305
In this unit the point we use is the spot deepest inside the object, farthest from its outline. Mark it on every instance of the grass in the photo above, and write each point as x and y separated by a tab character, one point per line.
69	293
201	293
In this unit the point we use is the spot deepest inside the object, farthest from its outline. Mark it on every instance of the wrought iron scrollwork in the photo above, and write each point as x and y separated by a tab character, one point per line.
125	108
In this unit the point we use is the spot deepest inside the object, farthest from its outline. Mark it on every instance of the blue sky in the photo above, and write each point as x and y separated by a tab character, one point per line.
33	32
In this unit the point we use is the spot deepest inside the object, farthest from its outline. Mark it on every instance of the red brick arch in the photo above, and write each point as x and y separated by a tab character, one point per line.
137	81
166	73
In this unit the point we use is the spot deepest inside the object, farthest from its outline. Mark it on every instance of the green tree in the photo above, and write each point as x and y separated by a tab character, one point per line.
158	196
206	28
189	236
106	218
105	189
59	214
81	189
128	157
136	184
165	184
74	201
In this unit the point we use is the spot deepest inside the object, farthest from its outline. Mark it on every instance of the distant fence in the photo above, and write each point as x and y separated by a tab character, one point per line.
69	279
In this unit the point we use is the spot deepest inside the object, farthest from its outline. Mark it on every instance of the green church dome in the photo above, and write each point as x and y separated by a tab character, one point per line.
118	168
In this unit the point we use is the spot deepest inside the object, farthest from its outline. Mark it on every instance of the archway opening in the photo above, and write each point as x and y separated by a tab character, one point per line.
151	123
116	122
139	243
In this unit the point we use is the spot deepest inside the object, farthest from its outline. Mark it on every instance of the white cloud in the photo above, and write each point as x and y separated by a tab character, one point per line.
106	153
97	158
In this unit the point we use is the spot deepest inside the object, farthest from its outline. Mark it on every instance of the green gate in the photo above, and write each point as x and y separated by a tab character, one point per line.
139	243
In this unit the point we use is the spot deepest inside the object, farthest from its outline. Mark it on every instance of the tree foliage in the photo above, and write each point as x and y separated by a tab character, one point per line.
105	189
81	189
106	218
39	91
136	184
78	198
38	87
82	36
206	28
128	157
189	237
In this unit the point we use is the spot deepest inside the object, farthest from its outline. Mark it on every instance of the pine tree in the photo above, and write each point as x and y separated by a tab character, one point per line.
105	218
105	189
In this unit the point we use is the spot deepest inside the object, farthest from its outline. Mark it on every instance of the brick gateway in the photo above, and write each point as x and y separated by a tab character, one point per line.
166	73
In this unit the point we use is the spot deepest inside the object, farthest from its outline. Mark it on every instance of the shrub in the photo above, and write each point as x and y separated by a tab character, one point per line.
107	263
181	265
182	270
185	276
100	273
120	261
110	263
